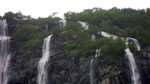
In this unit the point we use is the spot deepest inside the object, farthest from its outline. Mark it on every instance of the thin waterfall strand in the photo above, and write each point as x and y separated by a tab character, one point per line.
4	52
42	65
92	71
92	68
84	25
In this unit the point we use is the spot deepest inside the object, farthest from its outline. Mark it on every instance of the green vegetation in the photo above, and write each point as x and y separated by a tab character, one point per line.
56	30
113	49
142	35
25	33
132	47
78	40
19	18
27	37
40	20
122	22
108	27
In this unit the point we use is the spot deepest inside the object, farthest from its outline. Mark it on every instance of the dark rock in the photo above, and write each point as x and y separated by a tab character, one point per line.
75	69
143	62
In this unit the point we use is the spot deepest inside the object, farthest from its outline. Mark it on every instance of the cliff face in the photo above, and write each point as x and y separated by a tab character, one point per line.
23	68
75	69
143	62
23	63
63	69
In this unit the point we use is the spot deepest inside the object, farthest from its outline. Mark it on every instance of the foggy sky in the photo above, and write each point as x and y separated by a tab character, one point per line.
44	8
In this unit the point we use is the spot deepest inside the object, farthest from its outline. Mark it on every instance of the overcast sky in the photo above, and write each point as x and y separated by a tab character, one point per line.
44	8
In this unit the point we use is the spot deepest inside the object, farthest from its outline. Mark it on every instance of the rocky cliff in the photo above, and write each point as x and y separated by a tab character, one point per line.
62	69
73	69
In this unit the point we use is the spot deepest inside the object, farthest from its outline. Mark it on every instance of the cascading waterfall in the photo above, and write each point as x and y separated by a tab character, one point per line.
132	64
92	68
137	44
92	63
84	25
42	65
4	52
108	35
134	71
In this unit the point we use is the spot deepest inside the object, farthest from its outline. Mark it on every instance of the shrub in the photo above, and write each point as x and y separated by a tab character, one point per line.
114	49
132	47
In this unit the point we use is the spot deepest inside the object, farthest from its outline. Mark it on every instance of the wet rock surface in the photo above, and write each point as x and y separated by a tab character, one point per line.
75	69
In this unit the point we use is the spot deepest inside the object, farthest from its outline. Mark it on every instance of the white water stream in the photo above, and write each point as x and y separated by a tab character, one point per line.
42	65
4	52
84	25
62	23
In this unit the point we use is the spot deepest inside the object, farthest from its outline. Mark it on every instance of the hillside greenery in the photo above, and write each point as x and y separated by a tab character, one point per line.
125	22
79	41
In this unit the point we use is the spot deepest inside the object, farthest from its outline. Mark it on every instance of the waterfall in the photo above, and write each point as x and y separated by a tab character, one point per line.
93	37
62	23
137	44
132	64
108	35
4	52
42	65
134	71
97	52
46	27
92	71
92	68
84	25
